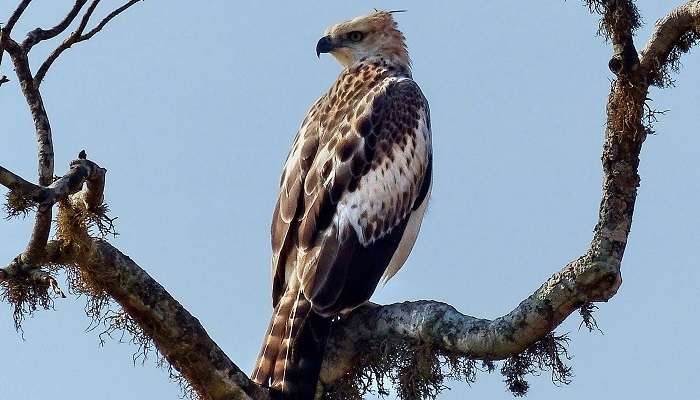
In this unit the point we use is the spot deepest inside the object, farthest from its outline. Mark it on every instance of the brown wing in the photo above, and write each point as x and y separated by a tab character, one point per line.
359	194
284	219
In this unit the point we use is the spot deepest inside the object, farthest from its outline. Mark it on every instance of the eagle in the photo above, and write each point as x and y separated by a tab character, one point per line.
352	196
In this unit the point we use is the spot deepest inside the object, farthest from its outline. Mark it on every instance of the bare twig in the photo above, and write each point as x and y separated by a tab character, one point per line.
77	36
7	29
66	44
39	34
6	42
108	18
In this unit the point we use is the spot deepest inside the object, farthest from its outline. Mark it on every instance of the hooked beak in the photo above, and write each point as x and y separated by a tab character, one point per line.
324	45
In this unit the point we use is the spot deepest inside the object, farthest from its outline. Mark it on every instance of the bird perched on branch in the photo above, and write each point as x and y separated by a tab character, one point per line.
352	196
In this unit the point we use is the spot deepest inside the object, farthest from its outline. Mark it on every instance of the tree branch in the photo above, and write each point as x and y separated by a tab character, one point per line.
5	40
15	16
81	172
619	20
42	224
178	335
27	189
39	34
593	277
77	36
672	36
66	44
441	326
108	18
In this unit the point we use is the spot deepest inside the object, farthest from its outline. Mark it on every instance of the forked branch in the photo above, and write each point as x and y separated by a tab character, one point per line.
38	34
79	36
593	277
42	223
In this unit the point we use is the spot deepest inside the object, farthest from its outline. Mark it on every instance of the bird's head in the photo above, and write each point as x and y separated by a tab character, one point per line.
373	35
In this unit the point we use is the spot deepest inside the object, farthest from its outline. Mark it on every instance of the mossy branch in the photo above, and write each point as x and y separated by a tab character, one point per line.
416	345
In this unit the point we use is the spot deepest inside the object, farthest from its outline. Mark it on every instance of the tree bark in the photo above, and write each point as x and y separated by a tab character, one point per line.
593	277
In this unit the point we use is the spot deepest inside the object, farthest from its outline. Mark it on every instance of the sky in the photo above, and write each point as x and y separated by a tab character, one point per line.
192	109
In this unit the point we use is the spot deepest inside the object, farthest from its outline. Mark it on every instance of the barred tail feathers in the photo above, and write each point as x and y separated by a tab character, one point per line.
290	359
272	343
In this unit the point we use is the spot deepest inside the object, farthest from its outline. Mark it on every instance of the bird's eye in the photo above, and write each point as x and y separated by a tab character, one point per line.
356	36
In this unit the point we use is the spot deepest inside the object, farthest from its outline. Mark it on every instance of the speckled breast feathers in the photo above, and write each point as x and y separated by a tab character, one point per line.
359	166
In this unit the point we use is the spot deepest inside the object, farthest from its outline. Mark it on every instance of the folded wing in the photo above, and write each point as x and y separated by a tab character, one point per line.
348	194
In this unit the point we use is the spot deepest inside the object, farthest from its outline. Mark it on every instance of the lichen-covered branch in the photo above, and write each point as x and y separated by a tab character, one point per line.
21	186
30	89
442	326
593	277
673	35
417	331
619	20
82	171
26	285
103	269
178	335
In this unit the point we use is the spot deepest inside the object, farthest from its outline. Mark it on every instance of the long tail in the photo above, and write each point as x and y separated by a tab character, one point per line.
292	353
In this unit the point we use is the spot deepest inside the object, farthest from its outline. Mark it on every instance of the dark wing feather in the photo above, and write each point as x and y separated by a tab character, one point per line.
289	201
363	189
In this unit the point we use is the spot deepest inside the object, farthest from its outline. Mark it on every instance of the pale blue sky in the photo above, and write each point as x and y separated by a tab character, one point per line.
191	106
